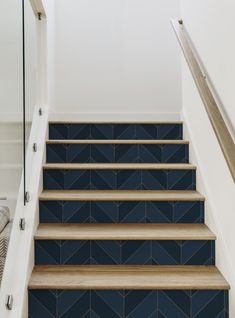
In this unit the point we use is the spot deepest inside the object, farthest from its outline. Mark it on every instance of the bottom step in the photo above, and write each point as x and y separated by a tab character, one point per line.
128	292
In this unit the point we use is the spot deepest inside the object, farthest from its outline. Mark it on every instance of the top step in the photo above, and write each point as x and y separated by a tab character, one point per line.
115	131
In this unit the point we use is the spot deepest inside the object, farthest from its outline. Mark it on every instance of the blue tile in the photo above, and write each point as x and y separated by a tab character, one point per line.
64	212
124	131
42	303
166	253
107	304
188	212
105	212
102	131
146	131
58	153
140	304
102	153
103	180
175	304
58	131
73	304
53	179
108	153
174	153
181	180
75	252
115	131
121	212
170	131
137	252
77	179
133	179
150	153
198	252
128	304
210	304
105	252
160	212
129	180
78	153
132	212
127	153
47	252
154	179
51	211
76	212
79	131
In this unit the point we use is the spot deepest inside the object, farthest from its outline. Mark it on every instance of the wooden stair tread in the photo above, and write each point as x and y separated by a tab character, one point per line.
106	122
100	231
120	166
121	195
117	141
144	277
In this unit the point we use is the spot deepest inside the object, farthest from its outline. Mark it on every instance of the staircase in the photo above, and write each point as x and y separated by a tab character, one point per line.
122	230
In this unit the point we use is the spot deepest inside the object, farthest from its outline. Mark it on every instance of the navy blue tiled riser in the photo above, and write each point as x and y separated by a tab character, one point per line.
119	179
111	153
125	252
128	304
121	212
115	131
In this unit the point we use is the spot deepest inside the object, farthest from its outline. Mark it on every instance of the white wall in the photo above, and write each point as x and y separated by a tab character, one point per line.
10	59
209	24
116	57
212	29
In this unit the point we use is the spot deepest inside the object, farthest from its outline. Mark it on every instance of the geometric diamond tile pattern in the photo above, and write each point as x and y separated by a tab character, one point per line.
115	131
119	179
121	212
115	252
128	304
119	153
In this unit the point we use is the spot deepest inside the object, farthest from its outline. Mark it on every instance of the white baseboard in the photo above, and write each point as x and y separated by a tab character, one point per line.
115	117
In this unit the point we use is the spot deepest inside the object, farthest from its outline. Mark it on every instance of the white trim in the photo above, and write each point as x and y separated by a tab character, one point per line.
115	117
20	257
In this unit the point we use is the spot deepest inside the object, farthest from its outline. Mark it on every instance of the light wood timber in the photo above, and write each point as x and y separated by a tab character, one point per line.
120	195
99	277
123	232
117	141
119	166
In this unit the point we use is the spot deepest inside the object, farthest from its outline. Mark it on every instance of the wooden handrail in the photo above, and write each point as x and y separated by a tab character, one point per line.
218	123
38	8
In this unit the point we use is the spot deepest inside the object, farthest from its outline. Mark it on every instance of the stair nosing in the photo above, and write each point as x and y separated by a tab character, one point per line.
132	232
117	141
119	166
132	277
120	195
180	122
